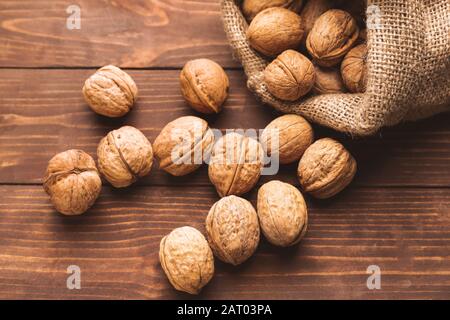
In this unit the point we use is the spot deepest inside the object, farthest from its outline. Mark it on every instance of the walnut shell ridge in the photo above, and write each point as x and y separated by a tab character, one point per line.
251	8
204	85
312	11
186	259
124	156
183	145
275	30
353	69
282	213
235	165
328	81
326	168
294	133
110	92
290	76
333	35
72	182
233	229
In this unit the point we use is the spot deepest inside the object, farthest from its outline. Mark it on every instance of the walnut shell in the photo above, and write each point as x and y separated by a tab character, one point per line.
275	30
290	76
232	228
282	213
353	69
334	33
235	165
251	8
328	81
357	8
187	259
183	145
124	156
326	168
72	182
294	133
312	10
110	92
204	85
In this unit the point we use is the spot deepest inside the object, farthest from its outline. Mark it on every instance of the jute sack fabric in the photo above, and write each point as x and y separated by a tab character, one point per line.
408	68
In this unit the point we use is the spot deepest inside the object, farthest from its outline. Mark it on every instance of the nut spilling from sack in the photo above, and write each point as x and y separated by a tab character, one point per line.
325	36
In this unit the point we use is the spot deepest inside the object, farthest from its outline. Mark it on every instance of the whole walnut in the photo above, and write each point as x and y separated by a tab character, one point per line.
288	137
232	228
353	69
290	76
282	213
328	81
204	85
251	8
275	30
124	156
72	182
312	10
235	165
110	92
187	259
333	35
183	145
326	168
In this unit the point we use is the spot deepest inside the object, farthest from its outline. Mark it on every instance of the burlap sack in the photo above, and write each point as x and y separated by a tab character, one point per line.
408	68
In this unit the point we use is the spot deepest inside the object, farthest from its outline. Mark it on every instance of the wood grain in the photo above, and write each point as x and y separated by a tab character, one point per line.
128	33
42	112
406	232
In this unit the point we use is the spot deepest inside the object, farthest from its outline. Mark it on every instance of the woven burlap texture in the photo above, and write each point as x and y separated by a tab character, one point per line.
408	68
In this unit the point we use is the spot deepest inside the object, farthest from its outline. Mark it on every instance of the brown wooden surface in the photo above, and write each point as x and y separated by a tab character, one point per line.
130	33
396	214
404	231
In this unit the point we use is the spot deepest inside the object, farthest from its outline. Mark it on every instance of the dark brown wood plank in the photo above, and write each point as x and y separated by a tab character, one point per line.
128	33
406	232
42	112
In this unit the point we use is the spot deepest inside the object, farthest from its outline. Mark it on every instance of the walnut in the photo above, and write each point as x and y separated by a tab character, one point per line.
275	30
312	10
72	182
290	76
187	259
251	8
294	135
235	165
110	92
328	81
233	230
334	33
326	168
124	156
353	69
282	213
183	145
204	85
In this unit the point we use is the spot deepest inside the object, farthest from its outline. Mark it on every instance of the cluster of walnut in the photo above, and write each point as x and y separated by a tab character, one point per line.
124	155
233	226
233	229
235	161
317	47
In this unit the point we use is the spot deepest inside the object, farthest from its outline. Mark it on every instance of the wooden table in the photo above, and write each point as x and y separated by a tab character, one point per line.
395	215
